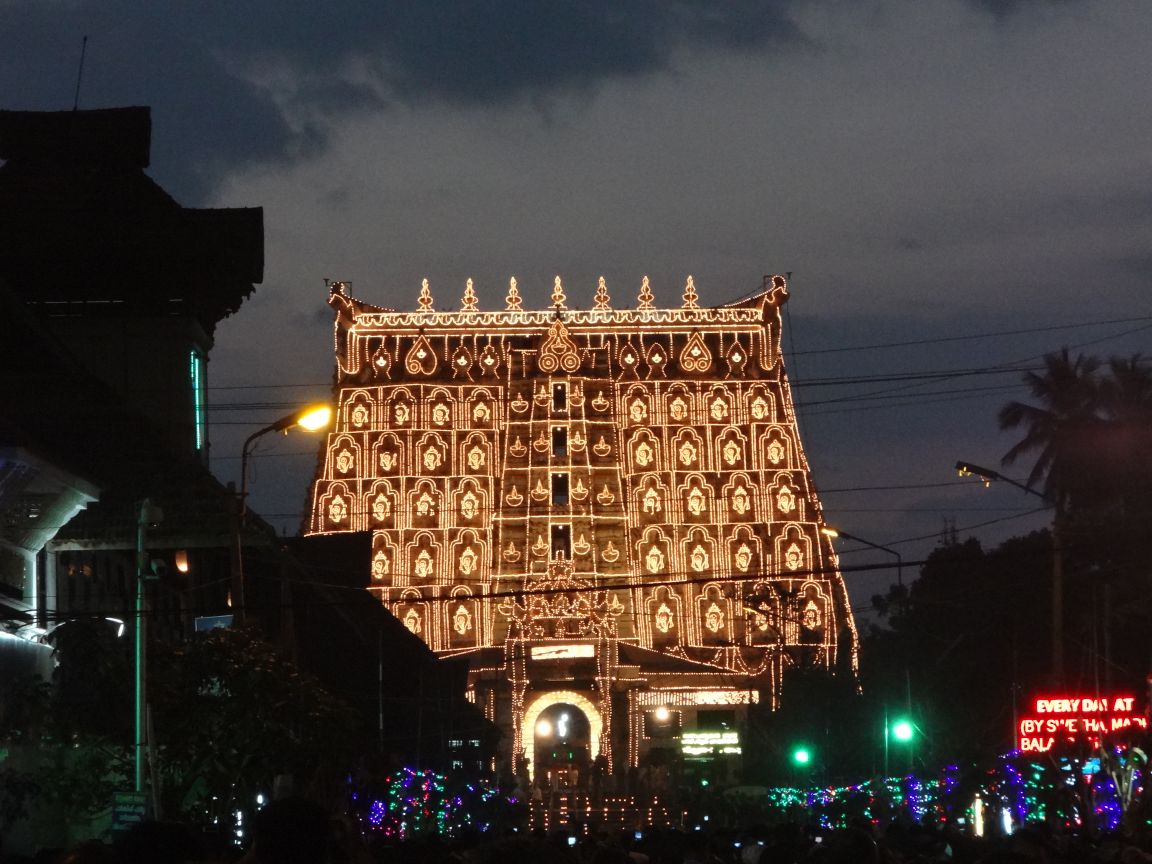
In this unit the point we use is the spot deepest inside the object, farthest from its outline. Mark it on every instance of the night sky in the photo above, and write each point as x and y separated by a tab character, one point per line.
957	187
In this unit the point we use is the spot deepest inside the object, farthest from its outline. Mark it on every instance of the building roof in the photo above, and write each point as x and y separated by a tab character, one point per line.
81	223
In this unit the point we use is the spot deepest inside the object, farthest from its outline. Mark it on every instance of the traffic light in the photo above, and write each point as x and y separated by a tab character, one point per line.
801	756
903	730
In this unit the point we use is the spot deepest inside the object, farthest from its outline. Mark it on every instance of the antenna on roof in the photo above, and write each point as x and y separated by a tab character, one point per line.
80	73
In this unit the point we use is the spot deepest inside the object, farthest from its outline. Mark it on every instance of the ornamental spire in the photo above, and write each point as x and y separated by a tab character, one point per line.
645	297
425	299
469	302
690	296
603	301
558	297
512	301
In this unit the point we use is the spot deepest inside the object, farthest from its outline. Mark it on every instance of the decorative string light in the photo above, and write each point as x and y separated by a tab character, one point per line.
585	458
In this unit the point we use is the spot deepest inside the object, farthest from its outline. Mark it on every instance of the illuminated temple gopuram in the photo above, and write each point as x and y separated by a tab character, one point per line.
608	511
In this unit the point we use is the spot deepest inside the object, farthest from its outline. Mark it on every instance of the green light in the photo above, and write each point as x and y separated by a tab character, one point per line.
704	781
801	756
902	730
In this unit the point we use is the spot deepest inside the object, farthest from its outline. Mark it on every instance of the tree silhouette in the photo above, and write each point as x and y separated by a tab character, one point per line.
1059	429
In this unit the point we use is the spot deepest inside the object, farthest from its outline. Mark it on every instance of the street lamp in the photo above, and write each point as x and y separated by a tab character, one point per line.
311	418
833	533
967	469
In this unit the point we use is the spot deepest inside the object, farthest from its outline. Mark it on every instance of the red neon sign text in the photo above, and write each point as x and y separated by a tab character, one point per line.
1076	718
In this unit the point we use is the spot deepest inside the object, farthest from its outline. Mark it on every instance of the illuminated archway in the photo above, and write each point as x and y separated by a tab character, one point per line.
542	703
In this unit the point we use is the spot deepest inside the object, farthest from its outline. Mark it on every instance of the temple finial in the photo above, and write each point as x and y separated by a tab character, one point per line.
645	297
425	299
603	301
469	302
558	297
690	296
514	304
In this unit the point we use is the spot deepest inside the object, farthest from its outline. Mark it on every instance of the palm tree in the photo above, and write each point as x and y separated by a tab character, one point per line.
1061	429
1125	447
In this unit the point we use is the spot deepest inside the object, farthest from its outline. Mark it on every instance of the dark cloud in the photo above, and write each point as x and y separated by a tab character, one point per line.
1005	8
195	63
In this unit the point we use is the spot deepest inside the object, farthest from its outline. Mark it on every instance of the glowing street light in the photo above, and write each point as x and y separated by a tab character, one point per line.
801	756
902	730
311	418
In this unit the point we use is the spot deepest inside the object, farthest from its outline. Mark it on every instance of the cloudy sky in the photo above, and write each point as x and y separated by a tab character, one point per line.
957	187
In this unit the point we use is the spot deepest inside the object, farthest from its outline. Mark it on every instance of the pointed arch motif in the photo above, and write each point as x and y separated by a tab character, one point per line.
764	626
440	406
431	457
470	504
359	410
388	455
422	555
462	619
663	621
713	616
793	551
679	405
696	498
785	499
718	404
760	405
745	553
654	552
470	557
740	497
380	505
344	453
636	409
401	409
689	452
412	611
776	449
643	451
483	408
476	454
731	450
425	505
651	500
335	510
698	551
382	569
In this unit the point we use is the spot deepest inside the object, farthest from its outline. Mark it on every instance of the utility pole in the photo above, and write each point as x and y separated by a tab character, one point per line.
149	514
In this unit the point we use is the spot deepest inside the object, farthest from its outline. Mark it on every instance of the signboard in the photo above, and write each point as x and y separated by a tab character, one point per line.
211	622
561	652
709	743
128	808
1076	718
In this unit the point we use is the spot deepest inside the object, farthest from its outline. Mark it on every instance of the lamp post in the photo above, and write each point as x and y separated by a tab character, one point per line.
967	469
148	514
311	418
828	531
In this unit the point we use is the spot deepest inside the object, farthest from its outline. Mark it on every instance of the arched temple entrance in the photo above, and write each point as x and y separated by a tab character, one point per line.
571	720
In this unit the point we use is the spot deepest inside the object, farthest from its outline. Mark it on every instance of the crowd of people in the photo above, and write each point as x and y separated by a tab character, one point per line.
297	831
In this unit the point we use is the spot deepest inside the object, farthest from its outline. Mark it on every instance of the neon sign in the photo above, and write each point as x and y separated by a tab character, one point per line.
1076	718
